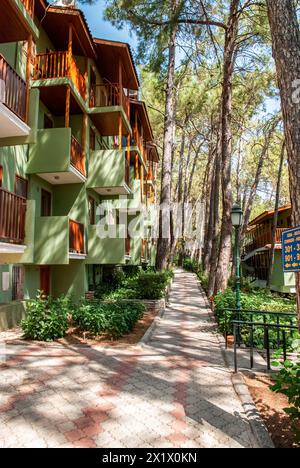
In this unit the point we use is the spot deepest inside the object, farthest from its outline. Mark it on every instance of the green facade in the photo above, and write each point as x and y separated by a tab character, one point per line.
43	158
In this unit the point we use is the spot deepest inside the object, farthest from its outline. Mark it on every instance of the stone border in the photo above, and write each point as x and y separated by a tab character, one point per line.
256	423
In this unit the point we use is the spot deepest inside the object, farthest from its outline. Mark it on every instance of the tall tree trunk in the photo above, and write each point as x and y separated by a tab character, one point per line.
216	209
222	272
275	218
209	214
286	50
163	244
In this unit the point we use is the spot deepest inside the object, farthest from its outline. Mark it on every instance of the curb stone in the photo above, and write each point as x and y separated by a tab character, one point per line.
256	423
147	336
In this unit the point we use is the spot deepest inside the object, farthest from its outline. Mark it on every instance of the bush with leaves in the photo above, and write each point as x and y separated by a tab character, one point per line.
152	286
287	382
46	318
112	319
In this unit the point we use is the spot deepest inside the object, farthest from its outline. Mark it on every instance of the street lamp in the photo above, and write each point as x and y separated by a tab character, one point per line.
237	219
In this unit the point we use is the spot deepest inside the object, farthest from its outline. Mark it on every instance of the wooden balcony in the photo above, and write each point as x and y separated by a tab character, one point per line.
137	141
77	156
109	95
12	217
259	238
55	65
29	5
13	90
76	239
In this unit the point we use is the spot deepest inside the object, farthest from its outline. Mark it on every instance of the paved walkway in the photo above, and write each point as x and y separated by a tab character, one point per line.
175	392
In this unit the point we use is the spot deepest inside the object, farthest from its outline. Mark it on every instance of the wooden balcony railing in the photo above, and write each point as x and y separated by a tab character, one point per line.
12	89
77	156
259	238
59	65
76	238
127	246
12	217
109	94
29	5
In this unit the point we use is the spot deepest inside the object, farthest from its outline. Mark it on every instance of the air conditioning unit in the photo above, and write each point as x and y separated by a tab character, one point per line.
65	3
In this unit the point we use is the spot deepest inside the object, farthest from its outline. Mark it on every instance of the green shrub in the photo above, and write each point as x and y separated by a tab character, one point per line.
192	265
113	319
204	281
147	284
287	382
46	319
151	286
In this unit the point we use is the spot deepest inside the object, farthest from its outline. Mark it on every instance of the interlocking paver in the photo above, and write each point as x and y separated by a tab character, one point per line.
175	392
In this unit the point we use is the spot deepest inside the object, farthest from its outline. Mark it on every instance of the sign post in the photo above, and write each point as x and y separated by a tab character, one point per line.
291	250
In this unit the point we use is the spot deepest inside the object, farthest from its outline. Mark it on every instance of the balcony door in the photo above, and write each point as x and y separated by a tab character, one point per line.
46	203
17	283
45	280
21	186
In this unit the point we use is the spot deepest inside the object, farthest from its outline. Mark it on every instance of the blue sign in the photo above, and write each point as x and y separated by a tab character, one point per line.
291	250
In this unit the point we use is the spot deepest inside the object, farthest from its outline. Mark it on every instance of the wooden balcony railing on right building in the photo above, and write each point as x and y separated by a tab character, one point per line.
109	95
59	65
77	243
12	217
29	5
13	90
77	156
259	238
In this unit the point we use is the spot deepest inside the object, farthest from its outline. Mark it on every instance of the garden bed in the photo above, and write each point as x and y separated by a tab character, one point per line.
270	406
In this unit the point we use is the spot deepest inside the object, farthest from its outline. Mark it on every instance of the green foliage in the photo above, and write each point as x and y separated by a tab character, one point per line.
135	284
287	382
203	278
47	318
192	265
112	319
150	285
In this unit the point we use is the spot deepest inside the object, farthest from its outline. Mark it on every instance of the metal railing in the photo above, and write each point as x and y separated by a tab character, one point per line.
12	217
275	329
12	89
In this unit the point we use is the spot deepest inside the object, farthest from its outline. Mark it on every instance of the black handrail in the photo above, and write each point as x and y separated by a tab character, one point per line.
237	325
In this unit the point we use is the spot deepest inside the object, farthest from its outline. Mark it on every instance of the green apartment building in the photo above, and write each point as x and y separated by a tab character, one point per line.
73	136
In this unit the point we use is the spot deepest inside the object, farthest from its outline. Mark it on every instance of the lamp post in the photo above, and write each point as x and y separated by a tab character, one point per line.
237	218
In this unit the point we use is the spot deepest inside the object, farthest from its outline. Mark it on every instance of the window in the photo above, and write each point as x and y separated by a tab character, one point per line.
21	185
1	175
46	202
92	210
92	140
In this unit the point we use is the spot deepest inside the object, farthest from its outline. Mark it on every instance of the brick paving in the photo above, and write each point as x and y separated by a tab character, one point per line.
174	392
